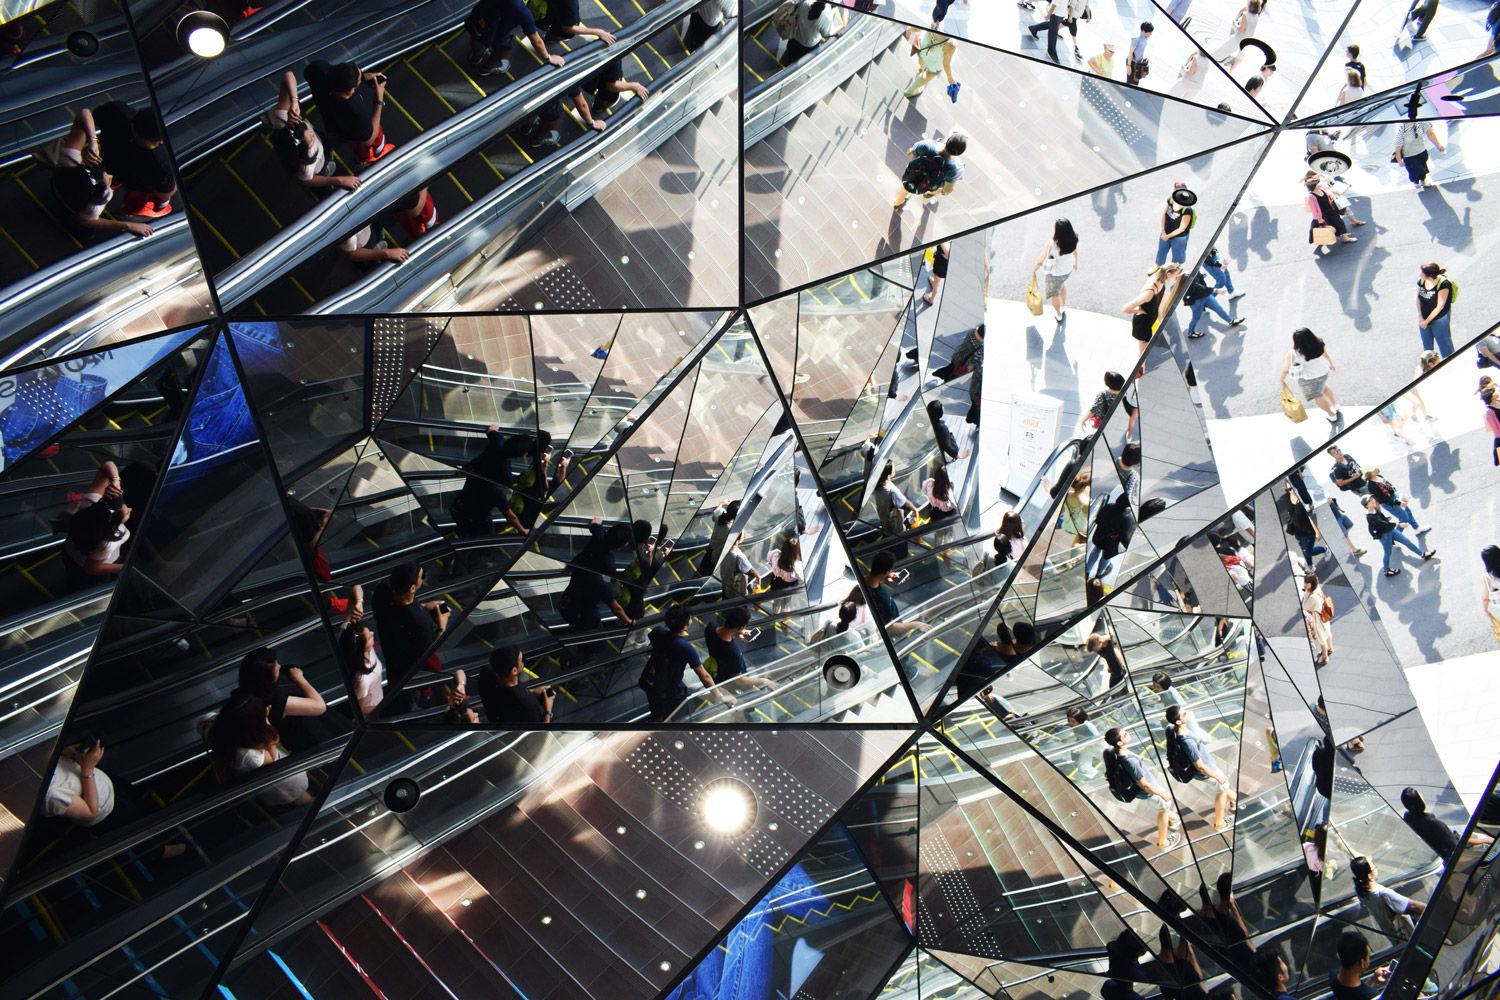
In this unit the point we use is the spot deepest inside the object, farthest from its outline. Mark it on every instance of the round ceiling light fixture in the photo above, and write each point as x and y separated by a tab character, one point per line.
203	34
727	806
402	794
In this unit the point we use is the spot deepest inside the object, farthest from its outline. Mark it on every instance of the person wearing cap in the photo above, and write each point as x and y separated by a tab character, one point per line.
1176	219
351	103
493	25
130	148
1103	64
82	184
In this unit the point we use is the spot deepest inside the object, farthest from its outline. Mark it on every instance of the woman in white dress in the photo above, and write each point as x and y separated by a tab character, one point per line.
1316	604
1490	556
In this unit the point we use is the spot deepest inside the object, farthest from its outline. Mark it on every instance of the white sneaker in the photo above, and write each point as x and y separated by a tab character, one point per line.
499	67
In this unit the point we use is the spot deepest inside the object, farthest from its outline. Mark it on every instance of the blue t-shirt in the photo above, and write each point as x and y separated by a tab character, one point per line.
883	605
495	20
672	655
952	168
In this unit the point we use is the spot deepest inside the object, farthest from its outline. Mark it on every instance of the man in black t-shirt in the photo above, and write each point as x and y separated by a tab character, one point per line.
1347	982
1434	832
882	603
130	144
505	701
591	580
563	22
1346	473
351	104
406	628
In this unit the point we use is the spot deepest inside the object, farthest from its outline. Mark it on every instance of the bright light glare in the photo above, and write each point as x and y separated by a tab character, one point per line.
728	808
206	42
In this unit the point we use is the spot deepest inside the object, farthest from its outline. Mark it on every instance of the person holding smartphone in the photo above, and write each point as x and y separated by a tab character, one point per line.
505	701
79	792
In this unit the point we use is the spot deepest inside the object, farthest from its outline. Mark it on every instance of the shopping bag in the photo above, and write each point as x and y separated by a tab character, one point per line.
1033	298
1292	406
1324	236
1495	627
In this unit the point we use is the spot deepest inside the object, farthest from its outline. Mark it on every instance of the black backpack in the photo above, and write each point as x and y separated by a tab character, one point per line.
1120	786
1179	761
923	174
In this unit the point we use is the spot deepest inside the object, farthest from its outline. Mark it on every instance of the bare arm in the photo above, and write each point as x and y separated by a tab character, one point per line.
540	45
309	703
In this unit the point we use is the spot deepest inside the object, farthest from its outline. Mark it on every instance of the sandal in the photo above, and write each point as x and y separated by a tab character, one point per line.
1350	239
1392	572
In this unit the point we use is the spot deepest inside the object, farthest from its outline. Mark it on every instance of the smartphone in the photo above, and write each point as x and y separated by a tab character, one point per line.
568	454
667	545
751	634
901	576
444	608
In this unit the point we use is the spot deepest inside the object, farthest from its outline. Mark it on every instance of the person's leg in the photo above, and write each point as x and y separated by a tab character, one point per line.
1179	249
1161	829
1403	515
1324	402
1198	309
1425	333
1213	305
698	32
1387	542
918	83
1163	247
1221	277
1400	536
1442	333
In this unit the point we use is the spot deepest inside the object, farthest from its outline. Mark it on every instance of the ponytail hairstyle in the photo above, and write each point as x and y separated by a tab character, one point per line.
1363	874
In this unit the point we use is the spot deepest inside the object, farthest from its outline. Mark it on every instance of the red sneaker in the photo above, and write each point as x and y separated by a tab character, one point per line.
152	211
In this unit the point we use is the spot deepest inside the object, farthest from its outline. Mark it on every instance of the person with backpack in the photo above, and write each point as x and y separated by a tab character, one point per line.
1387	532
705	21
1436	294
1347	474
932	168
298	146
1200	297
1114	528
804	24
1391	500
1177	219
1128	781
1189	761
672	655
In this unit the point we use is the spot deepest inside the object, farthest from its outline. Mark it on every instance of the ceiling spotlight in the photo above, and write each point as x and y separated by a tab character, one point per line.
83	44
728	806
203	34
402	794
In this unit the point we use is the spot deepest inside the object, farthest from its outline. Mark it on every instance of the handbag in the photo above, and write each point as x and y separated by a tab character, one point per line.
1292	406
1325	613
1324	236
1033	298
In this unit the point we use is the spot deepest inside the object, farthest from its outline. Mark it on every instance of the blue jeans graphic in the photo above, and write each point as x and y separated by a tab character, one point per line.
1388	542
1220	276
1438	335
1176	246
1403	515
1211	304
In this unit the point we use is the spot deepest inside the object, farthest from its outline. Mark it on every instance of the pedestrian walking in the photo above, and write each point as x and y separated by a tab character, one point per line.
1051	23
1145	309
1490	396
1243	26
299	147
1317	614
938	271
1201	298
1353	62
1059	257
1352	90
1075	507
1103	64
1216	269
1327	224
1136	63
131	150
940	10
1419	18
1412	149
810	23
1114	382
1387	532
934	54
1345	523
1391	501
1435	295
1489	558
1177	218
82	184
932	168
1301	526
1310	364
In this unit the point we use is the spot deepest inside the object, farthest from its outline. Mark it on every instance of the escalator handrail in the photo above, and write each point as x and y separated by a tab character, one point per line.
432	152
45	292
524	199
175	814
774	102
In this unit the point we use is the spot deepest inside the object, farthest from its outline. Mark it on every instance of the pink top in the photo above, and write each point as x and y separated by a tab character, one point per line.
943	505
792	574
1492	421
1315	208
